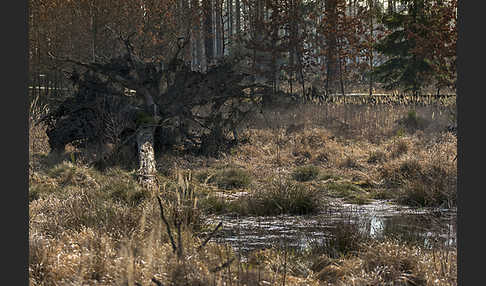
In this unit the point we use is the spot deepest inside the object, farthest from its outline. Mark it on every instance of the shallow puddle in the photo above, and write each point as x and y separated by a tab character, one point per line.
427	227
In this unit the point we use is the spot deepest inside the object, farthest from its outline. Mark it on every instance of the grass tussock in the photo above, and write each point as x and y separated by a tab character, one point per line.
399	148
429	182
350	163
285	198
274	199
345	238
349	191
376	157
305	173
227	178
413	122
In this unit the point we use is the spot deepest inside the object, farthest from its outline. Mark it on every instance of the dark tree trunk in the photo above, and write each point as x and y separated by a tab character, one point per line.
371	51
218	6
341	81
229	13
207	6
237	16
331	13
197	42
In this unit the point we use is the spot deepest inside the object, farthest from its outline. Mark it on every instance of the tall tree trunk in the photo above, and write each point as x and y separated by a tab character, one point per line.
237	16
186	15
299	45
331	12
371	47
292	42
207	6
229	13
94	30
196	46
218	6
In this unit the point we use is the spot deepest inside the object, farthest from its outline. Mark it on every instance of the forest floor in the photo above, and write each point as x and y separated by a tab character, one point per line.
101	228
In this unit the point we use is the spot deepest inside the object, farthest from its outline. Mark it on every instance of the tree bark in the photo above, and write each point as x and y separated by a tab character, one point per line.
146	157
238	17
331	13
218	5
229	13
370	87
207	6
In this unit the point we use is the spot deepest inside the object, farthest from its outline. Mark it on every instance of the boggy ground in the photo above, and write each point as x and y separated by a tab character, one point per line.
88	227
399	153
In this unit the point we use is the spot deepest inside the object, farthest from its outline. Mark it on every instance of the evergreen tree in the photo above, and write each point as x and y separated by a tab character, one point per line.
405	66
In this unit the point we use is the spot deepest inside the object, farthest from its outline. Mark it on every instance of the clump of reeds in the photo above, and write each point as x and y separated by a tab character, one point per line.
305	173
273	199
422	183
376	157
349	191
231	178
399	148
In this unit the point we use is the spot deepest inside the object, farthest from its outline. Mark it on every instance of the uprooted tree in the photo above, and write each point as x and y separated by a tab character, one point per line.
167	104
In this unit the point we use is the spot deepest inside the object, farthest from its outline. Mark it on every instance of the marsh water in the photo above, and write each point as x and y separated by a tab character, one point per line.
379	219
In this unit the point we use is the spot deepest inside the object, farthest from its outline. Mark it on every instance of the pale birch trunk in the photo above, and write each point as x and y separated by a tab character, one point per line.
145	142
146	157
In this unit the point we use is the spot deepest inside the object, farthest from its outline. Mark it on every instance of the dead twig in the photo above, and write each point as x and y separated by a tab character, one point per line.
222	266
157	282
169	231
210	235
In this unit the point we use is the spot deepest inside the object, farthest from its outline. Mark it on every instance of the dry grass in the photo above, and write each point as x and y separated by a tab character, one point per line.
84	235
391	263
88	227
371	148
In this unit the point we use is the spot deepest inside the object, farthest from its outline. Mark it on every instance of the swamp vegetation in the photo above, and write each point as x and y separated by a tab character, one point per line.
334	194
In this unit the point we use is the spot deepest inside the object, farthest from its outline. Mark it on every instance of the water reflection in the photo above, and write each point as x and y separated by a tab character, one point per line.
424	229
378	220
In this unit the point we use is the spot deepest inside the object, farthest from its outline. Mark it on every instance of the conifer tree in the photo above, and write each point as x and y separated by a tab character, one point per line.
405	67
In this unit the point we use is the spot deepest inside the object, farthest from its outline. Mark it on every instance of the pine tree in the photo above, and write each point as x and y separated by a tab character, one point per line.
405	67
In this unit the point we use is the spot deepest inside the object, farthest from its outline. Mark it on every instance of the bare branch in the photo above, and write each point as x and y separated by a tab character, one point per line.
222	266
157	282
210	235
169	232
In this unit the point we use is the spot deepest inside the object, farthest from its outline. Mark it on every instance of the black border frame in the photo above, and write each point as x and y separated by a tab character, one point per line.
470	49
14	117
